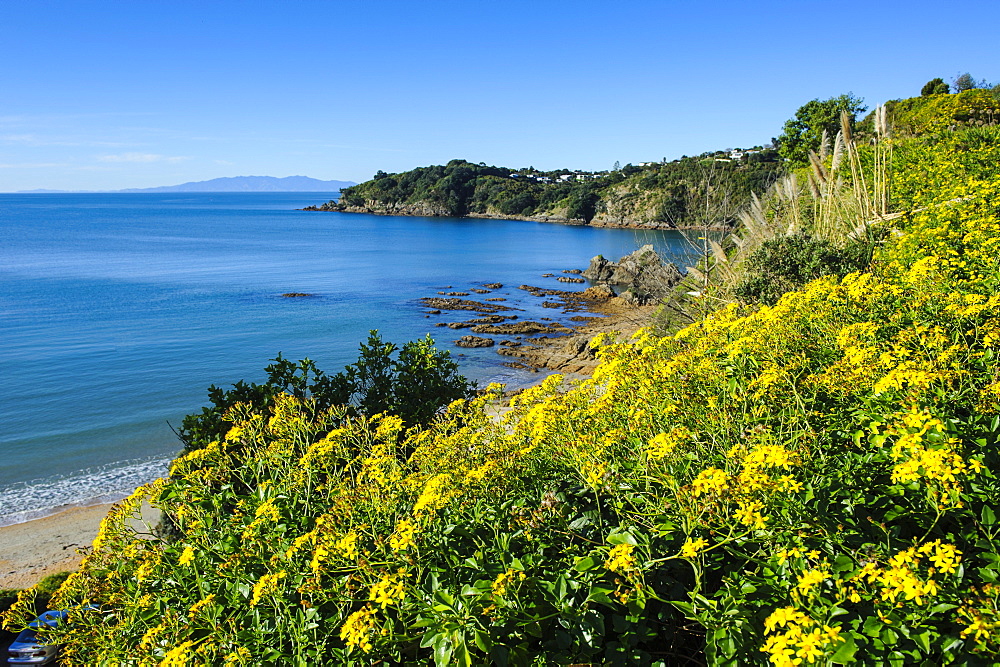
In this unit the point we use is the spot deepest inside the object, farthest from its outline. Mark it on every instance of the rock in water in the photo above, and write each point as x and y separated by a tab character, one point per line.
643	275
474	341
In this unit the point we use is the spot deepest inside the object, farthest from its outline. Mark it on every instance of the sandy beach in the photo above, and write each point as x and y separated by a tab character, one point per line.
37	548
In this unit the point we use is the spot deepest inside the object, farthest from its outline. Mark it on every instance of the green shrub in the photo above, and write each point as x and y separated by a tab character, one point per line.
784	264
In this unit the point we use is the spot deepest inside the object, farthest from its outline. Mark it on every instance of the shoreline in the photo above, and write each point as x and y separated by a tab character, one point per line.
37	548
573	222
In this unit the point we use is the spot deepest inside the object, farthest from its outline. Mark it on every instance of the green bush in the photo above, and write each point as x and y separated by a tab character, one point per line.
415	386
787	263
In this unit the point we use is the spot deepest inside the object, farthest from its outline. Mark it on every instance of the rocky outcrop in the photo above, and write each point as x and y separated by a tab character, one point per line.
644	277
526	327
423	208
474	341
489	319
438	303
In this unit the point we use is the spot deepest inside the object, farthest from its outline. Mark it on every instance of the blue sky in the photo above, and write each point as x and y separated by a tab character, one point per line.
102	95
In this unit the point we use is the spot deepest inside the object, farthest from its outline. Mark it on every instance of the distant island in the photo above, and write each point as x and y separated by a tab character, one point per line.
238	184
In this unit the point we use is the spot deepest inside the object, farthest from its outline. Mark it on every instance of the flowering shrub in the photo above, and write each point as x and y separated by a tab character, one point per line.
811	482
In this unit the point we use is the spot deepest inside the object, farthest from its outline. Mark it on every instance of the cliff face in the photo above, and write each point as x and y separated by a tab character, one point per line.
629	205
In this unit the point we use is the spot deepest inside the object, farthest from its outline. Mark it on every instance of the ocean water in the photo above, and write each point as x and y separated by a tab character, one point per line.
117	311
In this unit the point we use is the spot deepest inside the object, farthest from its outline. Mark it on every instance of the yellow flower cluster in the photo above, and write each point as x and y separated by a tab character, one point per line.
796	639
402	538
922	450
197	607
187	555
268	584
357	630
621	559
505	580
908	575
663	445
692	548
710	481
810	579
388	590
178	656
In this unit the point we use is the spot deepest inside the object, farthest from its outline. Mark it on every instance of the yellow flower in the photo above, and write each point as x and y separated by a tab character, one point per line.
186	556
240	656
198	606
809	579
389	590
266	585
711	480
504	580
402	537
691	549
348	545
177	656
621	559
357	630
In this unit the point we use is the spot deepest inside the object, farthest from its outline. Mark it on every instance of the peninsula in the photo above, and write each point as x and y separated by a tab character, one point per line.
650	195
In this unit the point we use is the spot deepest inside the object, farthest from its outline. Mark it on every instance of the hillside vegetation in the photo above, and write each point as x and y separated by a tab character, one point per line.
808	482
667	194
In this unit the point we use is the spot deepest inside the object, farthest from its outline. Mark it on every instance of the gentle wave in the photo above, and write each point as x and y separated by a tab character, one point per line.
93	486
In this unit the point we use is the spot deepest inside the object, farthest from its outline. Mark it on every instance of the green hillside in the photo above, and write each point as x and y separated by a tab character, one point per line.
667	194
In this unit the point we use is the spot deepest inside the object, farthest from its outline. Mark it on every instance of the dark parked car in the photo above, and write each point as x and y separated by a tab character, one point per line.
27	651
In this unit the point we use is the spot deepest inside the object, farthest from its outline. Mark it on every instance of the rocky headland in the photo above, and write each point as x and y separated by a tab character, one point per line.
622	297
639	219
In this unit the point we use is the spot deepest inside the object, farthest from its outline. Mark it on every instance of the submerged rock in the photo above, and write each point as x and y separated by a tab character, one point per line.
461	304
474	341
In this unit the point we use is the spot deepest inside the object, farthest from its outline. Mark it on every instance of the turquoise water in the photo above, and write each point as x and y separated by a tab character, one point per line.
118	310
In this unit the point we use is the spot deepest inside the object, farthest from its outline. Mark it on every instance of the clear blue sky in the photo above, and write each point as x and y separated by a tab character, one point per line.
108	95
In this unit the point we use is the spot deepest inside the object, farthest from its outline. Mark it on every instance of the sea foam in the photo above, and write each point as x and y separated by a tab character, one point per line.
38	498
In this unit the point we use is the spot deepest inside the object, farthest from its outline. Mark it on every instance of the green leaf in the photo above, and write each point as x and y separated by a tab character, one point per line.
685	608
989	516
600	594
873	626
444	597
584	564
923	640
483	641
843	563
845	652
442	650
460	655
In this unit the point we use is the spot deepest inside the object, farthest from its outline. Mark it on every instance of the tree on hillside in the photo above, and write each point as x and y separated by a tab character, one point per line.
964	82
804	132
934	87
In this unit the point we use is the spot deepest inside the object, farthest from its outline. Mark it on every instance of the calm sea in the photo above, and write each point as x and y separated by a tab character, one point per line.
118	310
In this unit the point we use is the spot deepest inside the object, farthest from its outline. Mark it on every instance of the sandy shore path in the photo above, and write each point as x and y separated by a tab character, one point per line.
35	549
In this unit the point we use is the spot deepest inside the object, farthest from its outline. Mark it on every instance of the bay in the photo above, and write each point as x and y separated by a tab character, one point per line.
118	310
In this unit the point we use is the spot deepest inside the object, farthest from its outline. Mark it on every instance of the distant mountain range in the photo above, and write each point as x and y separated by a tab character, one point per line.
242	184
